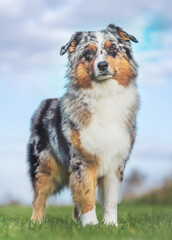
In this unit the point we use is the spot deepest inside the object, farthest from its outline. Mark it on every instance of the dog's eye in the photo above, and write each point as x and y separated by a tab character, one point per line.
89	54
112	51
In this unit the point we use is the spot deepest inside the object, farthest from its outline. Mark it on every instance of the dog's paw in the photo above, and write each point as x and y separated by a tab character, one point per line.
89	218
86	222
37	218
110	221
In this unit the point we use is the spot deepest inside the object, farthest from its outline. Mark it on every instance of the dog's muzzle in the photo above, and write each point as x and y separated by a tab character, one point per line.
104	73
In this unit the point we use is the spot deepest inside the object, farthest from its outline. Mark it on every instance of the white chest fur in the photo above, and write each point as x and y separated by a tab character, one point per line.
107	135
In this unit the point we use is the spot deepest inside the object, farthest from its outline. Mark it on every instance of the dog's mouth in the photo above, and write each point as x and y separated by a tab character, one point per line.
103	77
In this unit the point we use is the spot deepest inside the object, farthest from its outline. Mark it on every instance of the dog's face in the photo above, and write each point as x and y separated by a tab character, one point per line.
100	56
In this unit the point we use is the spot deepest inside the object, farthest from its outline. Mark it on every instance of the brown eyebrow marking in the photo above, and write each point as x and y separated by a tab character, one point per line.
92	46
108	44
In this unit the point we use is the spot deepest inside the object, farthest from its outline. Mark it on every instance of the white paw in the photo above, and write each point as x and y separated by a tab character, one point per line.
89	218
86	222
110	221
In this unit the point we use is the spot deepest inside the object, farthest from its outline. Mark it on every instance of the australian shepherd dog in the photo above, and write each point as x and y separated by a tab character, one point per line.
84	139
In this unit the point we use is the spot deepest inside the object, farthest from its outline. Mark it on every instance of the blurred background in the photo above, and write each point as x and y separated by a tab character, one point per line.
31	69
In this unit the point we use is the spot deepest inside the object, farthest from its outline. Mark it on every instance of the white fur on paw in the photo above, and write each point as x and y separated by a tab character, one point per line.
89	218
110	221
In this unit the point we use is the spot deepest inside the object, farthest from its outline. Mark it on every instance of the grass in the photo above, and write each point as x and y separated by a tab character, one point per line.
136	221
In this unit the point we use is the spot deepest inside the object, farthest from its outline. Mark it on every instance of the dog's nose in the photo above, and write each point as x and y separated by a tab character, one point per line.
102	65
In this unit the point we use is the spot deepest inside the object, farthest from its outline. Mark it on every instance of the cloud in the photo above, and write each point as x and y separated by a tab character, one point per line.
155	66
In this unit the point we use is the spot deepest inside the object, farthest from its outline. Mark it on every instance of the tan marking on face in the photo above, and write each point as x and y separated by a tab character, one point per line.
84	70
108	44
112	64
83	74
124	72
83	192
121	69
49	173
92	46
91	160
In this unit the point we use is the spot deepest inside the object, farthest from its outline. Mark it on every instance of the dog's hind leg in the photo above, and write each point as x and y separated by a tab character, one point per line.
42	189
49	175
43	185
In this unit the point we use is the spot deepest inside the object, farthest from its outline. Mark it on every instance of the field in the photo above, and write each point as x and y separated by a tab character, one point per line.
136	221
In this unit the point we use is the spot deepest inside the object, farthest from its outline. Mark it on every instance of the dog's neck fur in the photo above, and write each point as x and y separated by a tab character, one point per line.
82	100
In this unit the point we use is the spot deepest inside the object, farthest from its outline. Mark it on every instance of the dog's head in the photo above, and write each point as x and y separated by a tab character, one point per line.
100	56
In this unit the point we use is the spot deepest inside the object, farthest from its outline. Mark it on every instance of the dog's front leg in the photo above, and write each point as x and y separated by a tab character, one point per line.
111	192
82	183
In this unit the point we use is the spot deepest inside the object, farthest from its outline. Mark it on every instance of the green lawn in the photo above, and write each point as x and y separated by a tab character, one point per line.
136	221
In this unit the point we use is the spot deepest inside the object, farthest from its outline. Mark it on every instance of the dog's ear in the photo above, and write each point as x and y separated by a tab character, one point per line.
71	45
125	36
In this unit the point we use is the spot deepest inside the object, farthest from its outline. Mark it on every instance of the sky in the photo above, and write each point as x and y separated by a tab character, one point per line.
31	69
